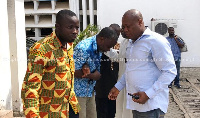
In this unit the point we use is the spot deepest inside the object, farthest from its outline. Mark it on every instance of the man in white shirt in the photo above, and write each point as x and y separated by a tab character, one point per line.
150	68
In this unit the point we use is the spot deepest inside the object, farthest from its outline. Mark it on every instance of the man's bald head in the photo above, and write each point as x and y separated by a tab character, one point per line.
134	14
132	24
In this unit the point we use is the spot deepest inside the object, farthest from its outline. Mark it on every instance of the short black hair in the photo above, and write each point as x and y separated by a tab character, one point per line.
171	28
108	33
63	14
116	27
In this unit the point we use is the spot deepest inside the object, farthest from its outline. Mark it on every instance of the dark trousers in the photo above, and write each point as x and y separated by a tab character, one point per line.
177	79
71	113
178	64
156	113
105	108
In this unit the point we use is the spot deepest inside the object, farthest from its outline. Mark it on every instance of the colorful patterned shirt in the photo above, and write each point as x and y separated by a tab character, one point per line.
48	86
86	52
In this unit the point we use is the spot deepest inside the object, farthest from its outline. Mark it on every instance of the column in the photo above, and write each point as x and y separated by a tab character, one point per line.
5	84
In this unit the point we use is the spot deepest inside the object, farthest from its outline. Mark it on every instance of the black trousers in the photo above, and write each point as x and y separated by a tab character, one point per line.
71	113
105	108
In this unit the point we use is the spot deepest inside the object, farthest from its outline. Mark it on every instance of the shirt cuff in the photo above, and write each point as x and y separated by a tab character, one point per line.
119	86
151	93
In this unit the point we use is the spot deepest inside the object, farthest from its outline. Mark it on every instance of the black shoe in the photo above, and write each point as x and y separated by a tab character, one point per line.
170	86
178	85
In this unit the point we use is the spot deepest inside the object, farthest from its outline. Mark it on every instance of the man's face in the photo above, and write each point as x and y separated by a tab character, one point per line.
68	29
130	27
171	31
106	44
123	34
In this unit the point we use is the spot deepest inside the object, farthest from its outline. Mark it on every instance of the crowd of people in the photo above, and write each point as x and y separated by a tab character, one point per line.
100	78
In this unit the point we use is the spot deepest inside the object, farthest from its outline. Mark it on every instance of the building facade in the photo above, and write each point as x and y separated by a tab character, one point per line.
36	18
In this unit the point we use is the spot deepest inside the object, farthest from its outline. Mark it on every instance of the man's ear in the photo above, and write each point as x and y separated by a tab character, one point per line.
140	21
57	26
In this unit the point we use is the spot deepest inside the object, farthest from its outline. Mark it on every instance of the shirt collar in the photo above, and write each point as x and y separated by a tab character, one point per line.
57	43
146	32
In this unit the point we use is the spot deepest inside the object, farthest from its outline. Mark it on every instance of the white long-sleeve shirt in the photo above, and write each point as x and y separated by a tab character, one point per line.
119	56
150	68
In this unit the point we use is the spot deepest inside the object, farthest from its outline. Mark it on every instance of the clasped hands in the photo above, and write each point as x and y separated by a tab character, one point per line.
86	70
87	73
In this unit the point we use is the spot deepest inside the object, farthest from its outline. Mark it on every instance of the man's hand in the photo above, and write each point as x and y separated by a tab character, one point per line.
86	70
117	46
142	97
94	76
180	45
113	93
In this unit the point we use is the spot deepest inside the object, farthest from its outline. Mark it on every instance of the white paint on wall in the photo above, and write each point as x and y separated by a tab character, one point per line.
21	51
5	84
187	14
12	53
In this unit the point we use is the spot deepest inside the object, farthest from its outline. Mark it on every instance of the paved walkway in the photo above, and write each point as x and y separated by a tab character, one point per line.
184	102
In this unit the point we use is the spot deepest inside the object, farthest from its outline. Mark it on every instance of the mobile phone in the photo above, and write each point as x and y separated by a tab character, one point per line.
134	96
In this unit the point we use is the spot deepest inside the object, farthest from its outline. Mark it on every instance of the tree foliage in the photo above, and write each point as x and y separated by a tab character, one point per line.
91	30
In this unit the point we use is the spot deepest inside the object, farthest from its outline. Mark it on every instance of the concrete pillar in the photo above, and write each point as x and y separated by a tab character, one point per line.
12	53
36	19
91	9
5	84
84	6
37	33
53	5
21	54
74	6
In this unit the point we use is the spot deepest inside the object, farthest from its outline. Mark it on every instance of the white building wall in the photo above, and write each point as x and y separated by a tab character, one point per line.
5	84
21	54
13	42
187	14
12	53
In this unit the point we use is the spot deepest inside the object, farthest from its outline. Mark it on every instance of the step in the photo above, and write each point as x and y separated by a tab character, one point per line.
6	114
19	117
17	114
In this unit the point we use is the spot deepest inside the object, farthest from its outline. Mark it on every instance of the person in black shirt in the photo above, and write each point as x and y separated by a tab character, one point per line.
109	74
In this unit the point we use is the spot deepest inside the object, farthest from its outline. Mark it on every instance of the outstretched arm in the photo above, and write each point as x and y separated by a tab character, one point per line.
117	88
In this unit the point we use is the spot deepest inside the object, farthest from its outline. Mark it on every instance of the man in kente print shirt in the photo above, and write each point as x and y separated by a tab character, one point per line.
48	86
